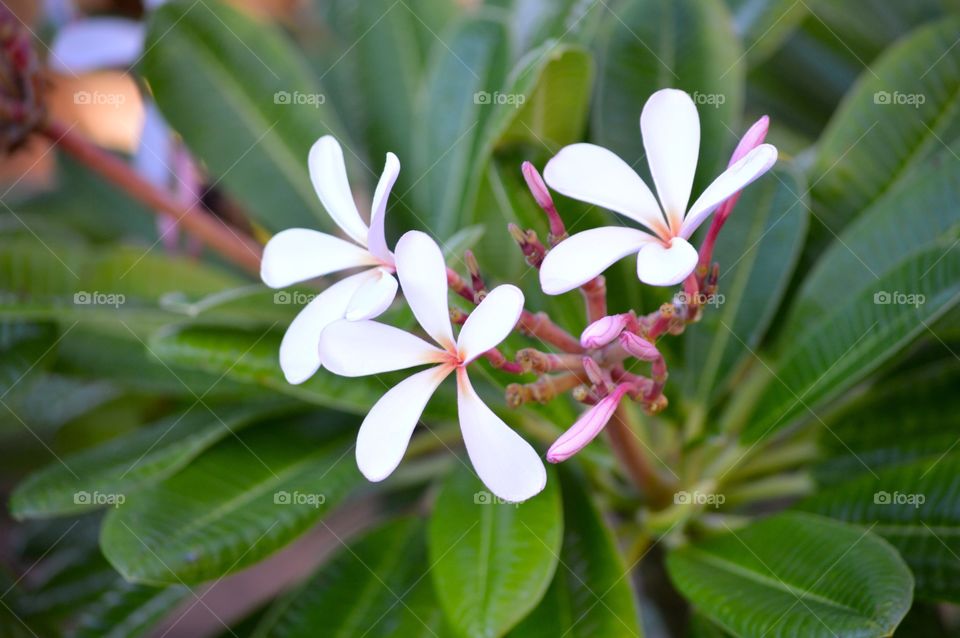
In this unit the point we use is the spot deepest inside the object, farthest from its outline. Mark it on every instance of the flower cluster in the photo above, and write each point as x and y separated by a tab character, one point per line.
336	330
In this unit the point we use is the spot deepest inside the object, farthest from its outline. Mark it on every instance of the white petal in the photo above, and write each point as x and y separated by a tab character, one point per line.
97	43
154	158
373	298
581	257
490	322
504	461
361	348
671	137
660	266
592	174
385	432
299	354
329	175
376	239
742	173
423	277
299	254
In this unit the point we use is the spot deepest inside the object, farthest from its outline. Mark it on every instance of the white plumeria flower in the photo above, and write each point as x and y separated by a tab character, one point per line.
299	254
504	461
671	137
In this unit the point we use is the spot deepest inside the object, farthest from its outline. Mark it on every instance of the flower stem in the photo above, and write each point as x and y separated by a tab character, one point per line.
595	295
626	445
237	248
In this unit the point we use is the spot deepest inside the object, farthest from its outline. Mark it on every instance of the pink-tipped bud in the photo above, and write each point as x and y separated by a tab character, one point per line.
603	331
587	427
538	188
593	371
639	347
751	139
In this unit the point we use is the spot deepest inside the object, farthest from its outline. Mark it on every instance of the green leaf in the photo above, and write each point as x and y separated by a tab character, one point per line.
132	365
23	350
795	575
376	587
252	358
763	25
451	118
245	103
853	339
914	507
879	240
757	252
590	594
234	505
66	281
130	462
554	81
492	561
129	610
684	44
899	112
536	21
899	420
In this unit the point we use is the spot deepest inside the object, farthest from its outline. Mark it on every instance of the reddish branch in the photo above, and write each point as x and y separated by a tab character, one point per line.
239	249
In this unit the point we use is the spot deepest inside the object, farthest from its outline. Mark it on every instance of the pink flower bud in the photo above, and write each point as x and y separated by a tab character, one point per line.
639	347
603	331
751	139
536	185
587	427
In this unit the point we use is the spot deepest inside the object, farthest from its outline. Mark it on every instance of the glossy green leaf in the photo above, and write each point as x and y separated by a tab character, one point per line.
130	462
462	77
492	561
914	506
879	239
377	587
128	610
245	103
757	252
684	44
905	418
795	575
590	594
234	505
854	338
900	111
554	82
763	25
252	358
67	281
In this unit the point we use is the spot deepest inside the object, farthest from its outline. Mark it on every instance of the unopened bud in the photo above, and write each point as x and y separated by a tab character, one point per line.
603	331
587	427
538	188
639	347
